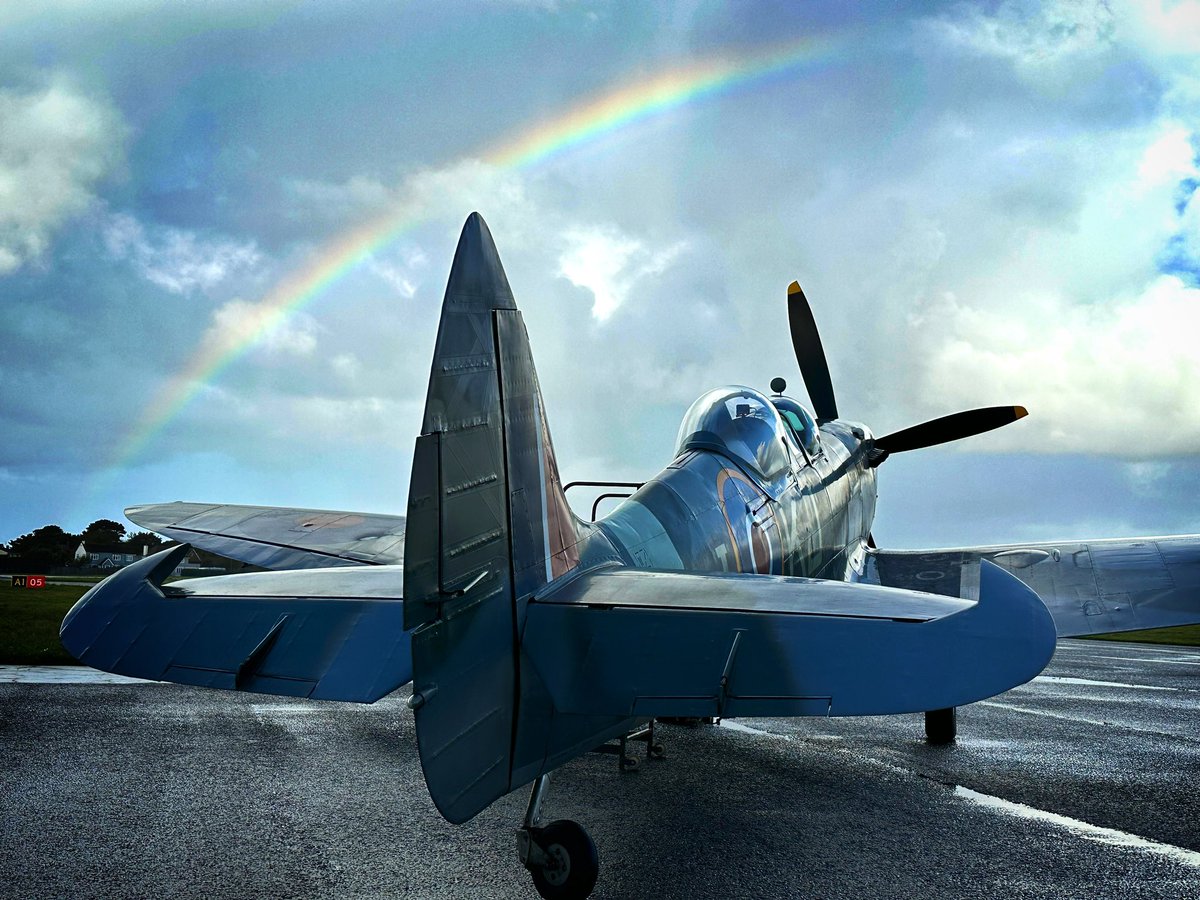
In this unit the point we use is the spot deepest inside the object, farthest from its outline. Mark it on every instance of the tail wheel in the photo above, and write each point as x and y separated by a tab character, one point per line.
941	725
572	861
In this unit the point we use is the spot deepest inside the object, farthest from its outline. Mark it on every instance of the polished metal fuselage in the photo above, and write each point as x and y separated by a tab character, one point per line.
707	512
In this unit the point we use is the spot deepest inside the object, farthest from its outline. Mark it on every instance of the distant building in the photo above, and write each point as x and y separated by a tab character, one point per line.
104	557
111	558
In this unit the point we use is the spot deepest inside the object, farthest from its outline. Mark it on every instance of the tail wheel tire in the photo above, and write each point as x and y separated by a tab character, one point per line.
941	725
574	863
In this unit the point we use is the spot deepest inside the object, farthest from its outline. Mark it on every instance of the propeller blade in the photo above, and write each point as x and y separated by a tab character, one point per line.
949	428
810	355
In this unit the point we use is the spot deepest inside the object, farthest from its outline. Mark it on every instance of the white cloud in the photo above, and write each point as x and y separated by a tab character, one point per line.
55	145
369	419
602	259
1164	26
402	271
463	185
1031	34
609	264
1148	476
177	260
1169	159
1189	229
1120	378
353	197
235	322
346	366
1061	307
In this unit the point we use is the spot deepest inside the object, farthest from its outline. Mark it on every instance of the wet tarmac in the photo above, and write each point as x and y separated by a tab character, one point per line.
1083	783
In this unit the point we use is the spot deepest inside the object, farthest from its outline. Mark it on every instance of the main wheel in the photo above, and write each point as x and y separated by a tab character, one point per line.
941	725
574	863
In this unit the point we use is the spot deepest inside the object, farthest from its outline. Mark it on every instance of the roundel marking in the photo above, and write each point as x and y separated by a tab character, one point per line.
743	530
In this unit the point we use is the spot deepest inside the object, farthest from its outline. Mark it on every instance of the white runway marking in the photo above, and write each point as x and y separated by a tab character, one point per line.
1189	661
281	709
1109	836
63	675
1046	713
1062	679
738	726
1125	726
1085	646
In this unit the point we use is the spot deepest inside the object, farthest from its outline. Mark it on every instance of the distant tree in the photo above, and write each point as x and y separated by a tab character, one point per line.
139	540
103	533
43	548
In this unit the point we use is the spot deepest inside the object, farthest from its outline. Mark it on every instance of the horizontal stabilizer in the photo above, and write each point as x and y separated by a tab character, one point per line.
326	634
278	537
639	643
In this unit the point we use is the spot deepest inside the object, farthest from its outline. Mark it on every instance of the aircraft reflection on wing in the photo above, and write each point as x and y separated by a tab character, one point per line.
741	580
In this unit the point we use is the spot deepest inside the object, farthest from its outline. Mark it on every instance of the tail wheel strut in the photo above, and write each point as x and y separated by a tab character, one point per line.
561	856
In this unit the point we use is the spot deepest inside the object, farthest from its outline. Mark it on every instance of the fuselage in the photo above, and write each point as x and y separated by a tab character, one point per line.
727	505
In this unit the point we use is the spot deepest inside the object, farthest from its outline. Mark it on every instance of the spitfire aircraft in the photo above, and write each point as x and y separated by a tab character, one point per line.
741	580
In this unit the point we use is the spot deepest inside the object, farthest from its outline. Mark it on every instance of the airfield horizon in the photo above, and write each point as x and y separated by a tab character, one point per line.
32	619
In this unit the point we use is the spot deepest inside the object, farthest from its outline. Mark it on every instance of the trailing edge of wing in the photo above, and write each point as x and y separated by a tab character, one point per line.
638	643
279	537
333	634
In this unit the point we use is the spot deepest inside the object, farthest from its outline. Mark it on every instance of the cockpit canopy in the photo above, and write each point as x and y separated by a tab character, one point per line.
740	423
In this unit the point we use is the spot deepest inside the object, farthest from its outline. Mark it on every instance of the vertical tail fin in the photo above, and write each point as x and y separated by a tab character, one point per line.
488	524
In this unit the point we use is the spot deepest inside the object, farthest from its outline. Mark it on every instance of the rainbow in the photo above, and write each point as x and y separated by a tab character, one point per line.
598	116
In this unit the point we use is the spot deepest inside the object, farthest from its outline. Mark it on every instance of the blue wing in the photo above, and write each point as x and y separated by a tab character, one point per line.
1090	587
278	537
327	634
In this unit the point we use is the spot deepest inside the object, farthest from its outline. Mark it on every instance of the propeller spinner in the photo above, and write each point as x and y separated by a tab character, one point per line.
810	356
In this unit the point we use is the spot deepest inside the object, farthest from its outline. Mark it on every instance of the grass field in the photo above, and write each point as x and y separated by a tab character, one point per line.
30	620
1186	635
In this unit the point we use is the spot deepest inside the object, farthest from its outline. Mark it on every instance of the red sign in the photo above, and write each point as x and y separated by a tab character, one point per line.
29	581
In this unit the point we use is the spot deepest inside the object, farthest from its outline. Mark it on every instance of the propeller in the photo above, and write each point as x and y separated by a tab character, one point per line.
950	428
810	355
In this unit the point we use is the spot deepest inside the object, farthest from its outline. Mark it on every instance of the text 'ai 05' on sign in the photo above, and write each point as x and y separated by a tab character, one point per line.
29	581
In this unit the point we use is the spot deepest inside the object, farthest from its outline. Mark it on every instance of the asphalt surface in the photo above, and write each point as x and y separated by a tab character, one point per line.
1082	783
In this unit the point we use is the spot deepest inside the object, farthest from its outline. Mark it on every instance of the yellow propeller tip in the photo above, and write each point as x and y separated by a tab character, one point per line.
794	288
1020	412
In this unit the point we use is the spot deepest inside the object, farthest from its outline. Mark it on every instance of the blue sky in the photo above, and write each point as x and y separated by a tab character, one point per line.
986	204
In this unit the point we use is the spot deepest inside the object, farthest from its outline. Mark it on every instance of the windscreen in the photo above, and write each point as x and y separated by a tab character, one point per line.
801	423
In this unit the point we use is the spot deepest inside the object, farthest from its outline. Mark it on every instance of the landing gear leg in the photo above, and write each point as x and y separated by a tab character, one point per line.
560	856
629	762
941	726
